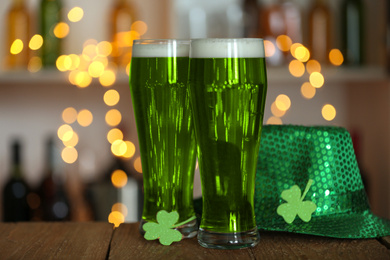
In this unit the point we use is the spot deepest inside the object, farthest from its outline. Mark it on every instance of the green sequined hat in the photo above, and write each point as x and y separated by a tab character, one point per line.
308	181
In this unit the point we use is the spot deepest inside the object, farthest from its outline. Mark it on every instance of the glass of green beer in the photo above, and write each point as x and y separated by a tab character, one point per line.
160	96
228	85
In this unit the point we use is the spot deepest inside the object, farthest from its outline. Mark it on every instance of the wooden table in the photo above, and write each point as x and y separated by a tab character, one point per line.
96	240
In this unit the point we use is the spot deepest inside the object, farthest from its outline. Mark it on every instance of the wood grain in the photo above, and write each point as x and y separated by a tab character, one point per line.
55	240
282	245
127	243
94	240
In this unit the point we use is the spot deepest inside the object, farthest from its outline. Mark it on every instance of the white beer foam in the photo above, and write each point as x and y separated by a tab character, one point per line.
227	48
160	48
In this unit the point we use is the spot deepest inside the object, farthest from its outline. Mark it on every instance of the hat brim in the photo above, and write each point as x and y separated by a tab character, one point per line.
353	226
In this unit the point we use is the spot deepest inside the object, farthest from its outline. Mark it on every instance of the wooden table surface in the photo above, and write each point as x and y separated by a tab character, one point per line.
97	240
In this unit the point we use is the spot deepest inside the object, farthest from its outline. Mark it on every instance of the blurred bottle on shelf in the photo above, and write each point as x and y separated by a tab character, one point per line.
18	35
352	32
251	11
50	16
118	185
320	31
122	15
15	206
357	145
52	192
293	20
271	25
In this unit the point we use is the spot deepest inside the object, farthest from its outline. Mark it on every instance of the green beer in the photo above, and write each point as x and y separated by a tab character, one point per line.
158	84
228	88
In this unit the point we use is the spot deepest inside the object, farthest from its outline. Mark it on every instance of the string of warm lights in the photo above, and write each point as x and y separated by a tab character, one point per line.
93	63
297	67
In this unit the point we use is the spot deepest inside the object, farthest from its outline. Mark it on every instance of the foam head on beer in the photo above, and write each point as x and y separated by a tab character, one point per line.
161	48
227	48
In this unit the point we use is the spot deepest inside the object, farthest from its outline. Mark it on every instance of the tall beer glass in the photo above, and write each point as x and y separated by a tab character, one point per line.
228	86
158	84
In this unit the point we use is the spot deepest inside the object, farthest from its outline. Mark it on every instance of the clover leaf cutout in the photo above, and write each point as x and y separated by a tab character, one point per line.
164	228
295	204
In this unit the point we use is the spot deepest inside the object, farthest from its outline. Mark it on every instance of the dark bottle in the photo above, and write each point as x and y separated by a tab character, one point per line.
15	206
50	16
54	199
320	31
18	29
251	18
352	32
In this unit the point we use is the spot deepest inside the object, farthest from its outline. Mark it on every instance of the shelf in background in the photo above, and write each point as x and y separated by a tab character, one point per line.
276	75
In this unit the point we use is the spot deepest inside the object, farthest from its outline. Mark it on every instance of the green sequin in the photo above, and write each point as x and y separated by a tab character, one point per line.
291	155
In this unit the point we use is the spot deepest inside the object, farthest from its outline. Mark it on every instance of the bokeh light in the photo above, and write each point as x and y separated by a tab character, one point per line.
313	66
84	117
82	79
116	218
118	147
130	150
316	79
328	112
16	47
293	47
69	155
61	30
69	115
296	68
73	141
63	132
96	69
269	48
63	63
273	120
283	42
307	90
114	134
108	78
138	165
35	64
276	111
67	136
113	117
36	42
119	178
75	14
111	97
120	207
75	61
283	102
302	53
336	57
140	27
104	48
89	52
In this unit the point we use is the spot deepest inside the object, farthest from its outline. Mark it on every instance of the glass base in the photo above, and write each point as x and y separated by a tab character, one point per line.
238	240
188	230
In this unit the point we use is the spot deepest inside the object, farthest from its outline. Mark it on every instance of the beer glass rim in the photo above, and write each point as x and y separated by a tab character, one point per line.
227	48
161	48
161	41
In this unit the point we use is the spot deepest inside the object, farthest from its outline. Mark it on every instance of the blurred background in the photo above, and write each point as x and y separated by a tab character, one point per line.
68	141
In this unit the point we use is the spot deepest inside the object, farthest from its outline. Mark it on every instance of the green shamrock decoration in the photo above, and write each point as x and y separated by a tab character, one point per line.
295	204
164	228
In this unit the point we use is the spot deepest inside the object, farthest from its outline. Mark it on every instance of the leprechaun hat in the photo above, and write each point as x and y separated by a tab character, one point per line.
308	181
